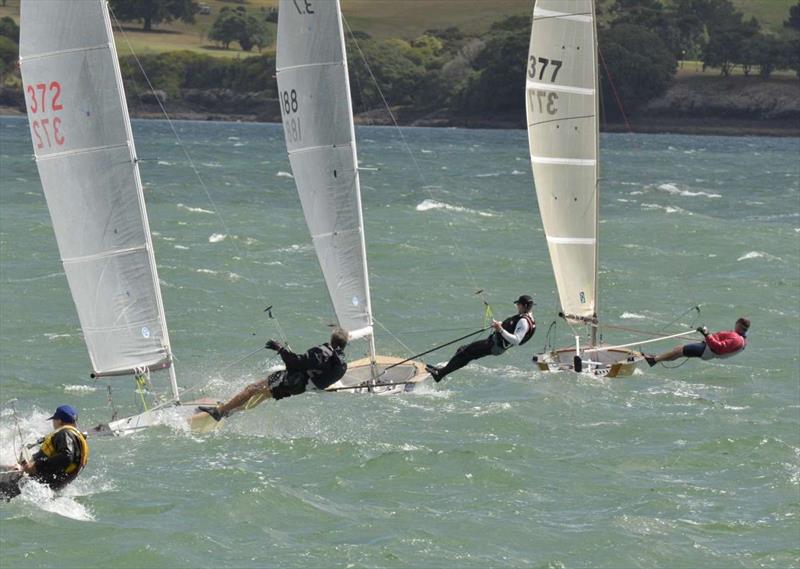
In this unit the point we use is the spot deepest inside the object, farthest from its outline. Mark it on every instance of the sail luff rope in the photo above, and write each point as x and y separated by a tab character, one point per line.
189	158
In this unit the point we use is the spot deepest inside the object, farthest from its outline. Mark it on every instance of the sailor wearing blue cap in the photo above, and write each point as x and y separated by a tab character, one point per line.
62	454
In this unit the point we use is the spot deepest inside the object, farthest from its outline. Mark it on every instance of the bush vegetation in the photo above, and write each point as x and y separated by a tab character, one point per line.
446	69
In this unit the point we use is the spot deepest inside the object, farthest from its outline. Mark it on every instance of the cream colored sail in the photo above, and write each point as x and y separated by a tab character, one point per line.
561	102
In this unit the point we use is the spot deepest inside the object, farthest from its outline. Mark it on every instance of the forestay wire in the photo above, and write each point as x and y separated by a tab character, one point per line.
196	172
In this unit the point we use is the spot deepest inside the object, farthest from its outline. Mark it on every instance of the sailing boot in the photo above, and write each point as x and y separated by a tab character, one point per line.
434	371
212	410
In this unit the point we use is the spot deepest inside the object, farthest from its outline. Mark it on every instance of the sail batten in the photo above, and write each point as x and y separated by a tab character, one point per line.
308	66
85	155
28	58
81	151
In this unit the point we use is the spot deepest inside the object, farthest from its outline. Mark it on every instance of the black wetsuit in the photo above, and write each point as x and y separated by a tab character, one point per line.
52	470
321	365
494	345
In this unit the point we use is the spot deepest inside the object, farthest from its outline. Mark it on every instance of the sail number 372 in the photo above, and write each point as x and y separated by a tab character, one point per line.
44	98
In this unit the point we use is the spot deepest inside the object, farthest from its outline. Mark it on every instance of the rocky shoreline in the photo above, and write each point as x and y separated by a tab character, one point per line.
702	105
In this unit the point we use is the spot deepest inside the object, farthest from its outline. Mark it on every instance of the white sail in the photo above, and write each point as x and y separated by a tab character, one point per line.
314	95
561	102
87	164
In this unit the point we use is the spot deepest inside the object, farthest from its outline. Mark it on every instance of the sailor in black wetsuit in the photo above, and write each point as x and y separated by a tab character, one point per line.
321	365
513	331
61	457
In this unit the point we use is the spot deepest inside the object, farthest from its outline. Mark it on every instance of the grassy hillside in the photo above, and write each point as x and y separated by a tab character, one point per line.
380	18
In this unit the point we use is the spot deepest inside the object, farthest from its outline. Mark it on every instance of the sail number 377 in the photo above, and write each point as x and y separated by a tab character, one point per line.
45	98
547	99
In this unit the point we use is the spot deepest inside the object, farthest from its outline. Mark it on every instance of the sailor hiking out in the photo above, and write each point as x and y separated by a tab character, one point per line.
61	456
321	366
719	345
513	331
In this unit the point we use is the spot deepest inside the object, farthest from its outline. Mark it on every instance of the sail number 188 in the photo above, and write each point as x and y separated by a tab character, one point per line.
290	106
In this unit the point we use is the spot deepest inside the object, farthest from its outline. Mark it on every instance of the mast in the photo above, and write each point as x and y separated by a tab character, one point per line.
359	209
595	67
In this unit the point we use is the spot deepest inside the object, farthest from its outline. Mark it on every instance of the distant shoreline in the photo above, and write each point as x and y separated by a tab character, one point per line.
713	126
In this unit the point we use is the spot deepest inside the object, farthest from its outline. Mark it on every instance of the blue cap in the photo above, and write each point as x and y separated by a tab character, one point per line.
66	414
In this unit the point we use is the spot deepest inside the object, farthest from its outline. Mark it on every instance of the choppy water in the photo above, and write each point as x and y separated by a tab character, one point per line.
500	465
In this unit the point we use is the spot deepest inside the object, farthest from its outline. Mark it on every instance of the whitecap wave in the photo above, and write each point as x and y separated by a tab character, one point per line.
293	248
667	208
283	174
675	190
164	163
51	336
182	247
80	388
759	255
212	164
217	237
194	209
633	316
427	205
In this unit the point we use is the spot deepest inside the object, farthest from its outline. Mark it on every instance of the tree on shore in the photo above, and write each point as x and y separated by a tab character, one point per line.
728	34
638	75
153	12
235	24
9	48
793	21
9	29
791	49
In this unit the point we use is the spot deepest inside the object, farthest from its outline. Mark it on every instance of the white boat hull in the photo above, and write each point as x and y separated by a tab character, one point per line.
198	422
617	362
402	378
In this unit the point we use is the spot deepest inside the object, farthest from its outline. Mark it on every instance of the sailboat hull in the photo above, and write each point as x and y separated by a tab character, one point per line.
618	362
404	377
198	422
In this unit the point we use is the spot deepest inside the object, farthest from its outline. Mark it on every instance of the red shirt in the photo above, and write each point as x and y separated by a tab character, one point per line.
727	342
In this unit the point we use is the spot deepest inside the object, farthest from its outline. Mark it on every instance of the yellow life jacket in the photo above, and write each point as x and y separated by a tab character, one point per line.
48	449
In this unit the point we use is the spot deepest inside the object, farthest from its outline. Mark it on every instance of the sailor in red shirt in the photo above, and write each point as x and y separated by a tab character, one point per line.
720	345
